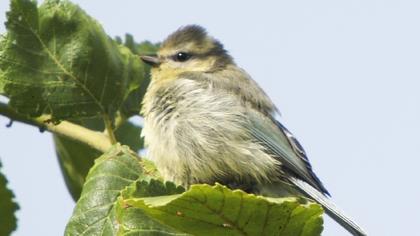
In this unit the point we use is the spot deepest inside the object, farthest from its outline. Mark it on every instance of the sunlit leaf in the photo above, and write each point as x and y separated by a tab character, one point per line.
99	213
217	210
120	198
57	60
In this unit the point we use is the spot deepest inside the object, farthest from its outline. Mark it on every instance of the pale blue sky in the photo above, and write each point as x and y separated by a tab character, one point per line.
345	75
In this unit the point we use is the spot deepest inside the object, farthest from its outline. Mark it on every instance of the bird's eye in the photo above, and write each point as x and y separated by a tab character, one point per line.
182	56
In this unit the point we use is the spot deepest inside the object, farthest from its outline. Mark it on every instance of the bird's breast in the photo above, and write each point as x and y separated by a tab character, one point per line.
197	134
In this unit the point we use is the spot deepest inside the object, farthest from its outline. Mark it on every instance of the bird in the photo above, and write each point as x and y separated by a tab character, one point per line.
206	121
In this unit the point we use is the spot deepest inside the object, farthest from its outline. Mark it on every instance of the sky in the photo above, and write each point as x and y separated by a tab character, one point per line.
344	74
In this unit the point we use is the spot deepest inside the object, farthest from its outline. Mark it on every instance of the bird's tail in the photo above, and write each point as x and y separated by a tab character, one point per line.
329	207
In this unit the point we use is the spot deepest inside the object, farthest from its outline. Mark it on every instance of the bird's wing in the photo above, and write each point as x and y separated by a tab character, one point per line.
287	150
299	151
284	147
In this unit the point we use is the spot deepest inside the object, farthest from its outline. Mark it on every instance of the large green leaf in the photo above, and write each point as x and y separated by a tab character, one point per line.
217	210
99	213
121	198
57	60
8	207
77	158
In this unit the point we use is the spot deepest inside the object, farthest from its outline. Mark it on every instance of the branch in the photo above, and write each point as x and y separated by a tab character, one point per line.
94	139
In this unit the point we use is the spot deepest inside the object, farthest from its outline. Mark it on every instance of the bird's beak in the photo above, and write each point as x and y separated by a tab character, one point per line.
151	60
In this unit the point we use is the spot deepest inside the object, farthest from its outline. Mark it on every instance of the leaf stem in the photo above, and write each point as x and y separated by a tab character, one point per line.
109	129
94	139
119	120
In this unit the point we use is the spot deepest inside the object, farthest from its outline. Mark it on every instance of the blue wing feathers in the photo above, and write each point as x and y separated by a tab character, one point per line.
297	147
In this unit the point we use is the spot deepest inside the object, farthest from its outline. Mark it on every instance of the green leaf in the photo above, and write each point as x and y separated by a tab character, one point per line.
217	210
1	86
143	48
1	82
132	104
133	221
99	213
2	45
77	158
120	198
8	207
57	60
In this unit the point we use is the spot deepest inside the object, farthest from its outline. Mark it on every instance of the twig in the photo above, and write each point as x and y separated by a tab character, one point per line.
109	129
119	120
94	139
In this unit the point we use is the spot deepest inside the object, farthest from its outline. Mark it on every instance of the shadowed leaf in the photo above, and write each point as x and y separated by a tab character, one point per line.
8	207
77	158
132	104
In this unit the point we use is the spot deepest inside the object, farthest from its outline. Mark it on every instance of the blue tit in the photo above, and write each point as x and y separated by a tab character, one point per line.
206	120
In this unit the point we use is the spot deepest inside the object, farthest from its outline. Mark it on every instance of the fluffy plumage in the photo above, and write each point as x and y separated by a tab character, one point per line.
207	121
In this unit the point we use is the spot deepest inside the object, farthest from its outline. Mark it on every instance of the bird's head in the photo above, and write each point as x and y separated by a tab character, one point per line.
189	49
